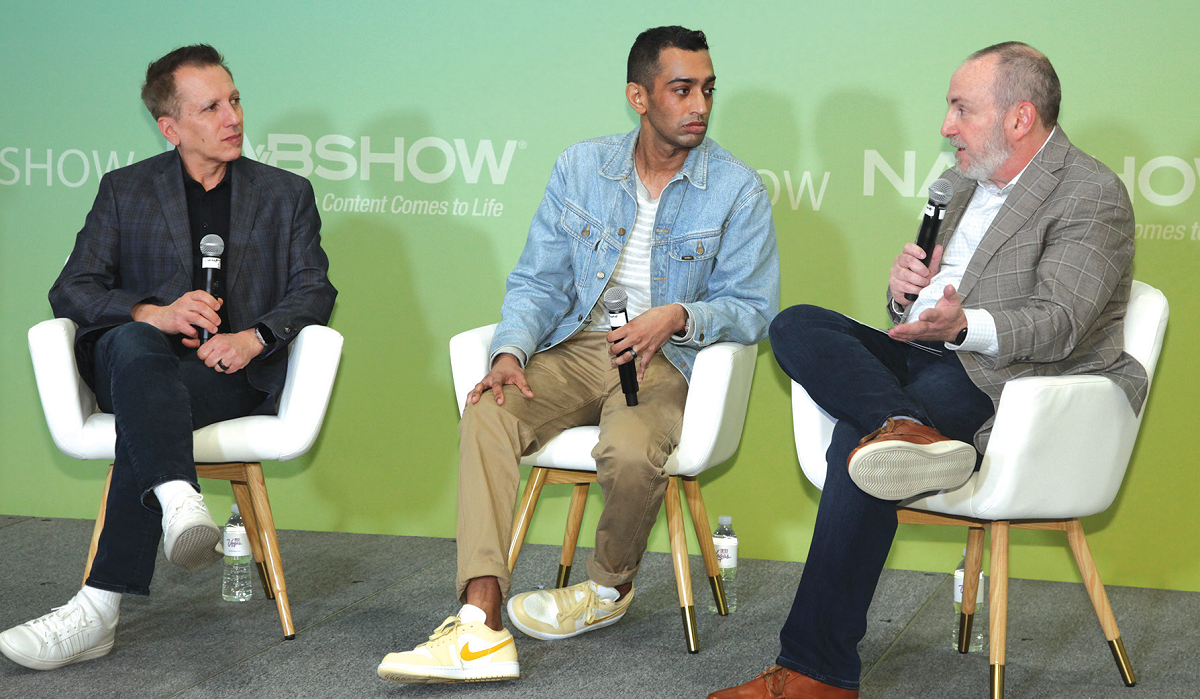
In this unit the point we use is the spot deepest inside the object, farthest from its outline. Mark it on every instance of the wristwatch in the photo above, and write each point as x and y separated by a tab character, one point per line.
962	337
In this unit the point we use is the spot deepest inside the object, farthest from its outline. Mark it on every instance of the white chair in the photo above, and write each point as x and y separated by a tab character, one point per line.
232	450
1058	452
712	428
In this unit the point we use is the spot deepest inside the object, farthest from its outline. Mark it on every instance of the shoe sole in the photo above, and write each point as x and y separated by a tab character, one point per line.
896	470
38	664
195	548
423	674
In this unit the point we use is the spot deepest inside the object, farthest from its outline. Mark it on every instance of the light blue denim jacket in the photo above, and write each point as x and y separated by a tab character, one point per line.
713	249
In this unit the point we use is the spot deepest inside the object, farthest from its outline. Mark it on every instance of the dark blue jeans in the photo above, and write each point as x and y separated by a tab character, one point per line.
158	391
861	377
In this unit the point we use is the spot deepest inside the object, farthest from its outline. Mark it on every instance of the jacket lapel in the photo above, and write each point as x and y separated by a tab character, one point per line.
1031	191
168	186
243	205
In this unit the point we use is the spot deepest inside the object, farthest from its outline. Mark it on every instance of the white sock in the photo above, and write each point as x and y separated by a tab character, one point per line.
605	592
105	602
167	492
470	613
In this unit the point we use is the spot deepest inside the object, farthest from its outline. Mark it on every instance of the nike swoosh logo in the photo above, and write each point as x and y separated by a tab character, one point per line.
467	654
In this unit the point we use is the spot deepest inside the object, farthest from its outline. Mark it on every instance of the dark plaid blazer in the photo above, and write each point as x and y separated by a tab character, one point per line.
136	247
1054	272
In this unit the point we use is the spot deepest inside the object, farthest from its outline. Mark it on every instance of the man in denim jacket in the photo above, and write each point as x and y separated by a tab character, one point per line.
685	229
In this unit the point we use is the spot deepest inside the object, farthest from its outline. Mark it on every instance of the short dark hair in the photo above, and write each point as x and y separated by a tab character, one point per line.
1024	74
158	92
643	57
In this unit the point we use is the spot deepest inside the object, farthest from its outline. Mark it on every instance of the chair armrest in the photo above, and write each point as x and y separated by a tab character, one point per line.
1059	449
469	353
67	401
715	412
313	362
813	430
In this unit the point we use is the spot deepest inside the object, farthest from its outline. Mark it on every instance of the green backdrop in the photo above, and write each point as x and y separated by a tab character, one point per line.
429	129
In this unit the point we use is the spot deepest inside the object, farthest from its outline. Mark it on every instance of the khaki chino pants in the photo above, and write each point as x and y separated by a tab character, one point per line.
573	384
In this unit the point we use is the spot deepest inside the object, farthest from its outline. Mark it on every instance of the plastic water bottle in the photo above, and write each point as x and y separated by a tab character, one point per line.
979	625
237	585
726	544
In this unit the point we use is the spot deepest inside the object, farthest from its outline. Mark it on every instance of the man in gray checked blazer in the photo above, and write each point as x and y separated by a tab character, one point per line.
165	356
1031	277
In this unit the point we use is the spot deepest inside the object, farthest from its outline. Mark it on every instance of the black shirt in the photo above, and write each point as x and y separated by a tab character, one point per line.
208	213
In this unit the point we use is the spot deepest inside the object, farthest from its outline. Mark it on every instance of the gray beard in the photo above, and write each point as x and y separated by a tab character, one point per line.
993	154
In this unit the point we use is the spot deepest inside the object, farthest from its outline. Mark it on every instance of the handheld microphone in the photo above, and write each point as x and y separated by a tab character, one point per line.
940	193
615	299
211	247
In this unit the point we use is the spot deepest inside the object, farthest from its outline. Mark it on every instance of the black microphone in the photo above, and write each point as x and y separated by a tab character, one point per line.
940	193
614	301
211	247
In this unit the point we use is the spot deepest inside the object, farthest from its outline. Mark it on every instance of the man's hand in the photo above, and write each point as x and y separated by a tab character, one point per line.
909	272
195	308
506	370
942	322
229	352
645	335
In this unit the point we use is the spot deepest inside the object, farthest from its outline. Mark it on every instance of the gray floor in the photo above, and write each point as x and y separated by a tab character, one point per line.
357	597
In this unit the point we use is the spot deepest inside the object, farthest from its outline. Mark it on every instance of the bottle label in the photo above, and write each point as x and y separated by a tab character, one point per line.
726	551
958	588
236	543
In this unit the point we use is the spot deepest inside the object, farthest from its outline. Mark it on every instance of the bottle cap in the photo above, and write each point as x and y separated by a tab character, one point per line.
235	509
724	520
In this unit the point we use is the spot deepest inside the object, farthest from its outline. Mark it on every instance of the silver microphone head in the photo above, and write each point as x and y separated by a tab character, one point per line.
940	192
211	245
615	299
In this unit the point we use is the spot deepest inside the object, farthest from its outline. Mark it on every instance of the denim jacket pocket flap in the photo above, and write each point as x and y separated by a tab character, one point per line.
699	246
579	226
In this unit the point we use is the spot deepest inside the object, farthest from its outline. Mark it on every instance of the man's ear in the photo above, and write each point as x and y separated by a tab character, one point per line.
637	96
167	127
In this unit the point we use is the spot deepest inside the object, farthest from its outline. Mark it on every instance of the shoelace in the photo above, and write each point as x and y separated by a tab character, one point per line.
58	623
775	677
184	502
444	630
569	608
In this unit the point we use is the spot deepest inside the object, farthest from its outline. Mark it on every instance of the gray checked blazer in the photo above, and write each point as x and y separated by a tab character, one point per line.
136	247
1054	272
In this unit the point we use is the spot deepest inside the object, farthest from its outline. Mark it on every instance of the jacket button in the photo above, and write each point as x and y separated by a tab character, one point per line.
620	231
599	275
580	317
545	345
587	231
701	338
699	248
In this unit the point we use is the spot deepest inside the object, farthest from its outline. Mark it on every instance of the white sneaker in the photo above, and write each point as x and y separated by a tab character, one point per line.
190	536
566	611
71	633
462	649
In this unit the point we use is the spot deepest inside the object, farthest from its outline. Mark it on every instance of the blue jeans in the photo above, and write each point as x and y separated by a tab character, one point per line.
861	377
158	391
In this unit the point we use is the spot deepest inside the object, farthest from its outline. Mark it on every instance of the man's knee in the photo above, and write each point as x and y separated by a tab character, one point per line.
793	323
131	343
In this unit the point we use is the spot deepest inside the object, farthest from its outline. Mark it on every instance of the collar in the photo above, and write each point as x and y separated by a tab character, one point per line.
1006	189
190	182
695	168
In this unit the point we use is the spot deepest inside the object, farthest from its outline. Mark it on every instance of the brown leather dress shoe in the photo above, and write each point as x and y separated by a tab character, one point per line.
904	458
778	681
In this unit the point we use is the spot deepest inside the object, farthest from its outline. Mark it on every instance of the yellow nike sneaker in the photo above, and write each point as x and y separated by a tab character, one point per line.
566	611
462	649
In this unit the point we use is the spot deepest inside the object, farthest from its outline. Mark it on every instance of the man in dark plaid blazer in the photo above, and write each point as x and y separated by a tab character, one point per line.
165	356
1032	278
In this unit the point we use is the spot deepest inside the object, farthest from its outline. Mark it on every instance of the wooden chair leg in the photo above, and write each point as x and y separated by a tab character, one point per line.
245	503
679	557
99	527
691	487
266	522
533	490
999	606
974	563
1095	589
571	537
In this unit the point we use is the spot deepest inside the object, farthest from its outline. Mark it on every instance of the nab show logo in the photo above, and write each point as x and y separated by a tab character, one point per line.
430	160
